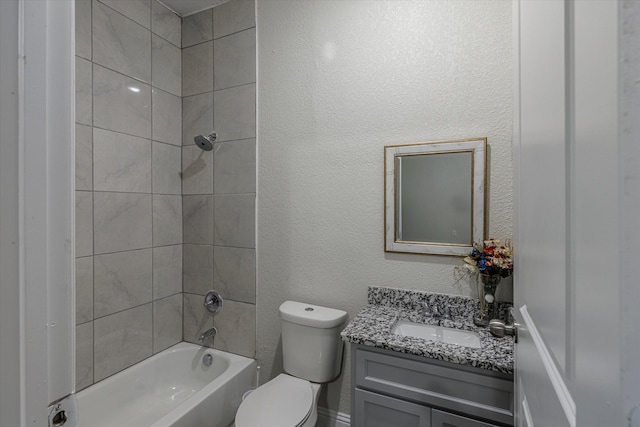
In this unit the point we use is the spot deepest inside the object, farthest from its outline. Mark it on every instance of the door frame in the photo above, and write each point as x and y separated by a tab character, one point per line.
37	203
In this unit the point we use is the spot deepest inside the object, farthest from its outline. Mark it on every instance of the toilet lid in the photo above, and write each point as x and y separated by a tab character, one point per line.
285	401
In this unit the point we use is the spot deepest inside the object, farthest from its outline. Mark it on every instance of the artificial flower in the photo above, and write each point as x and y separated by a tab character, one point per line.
491	258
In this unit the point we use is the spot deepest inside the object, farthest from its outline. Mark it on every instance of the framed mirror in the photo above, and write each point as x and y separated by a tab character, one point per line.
435	196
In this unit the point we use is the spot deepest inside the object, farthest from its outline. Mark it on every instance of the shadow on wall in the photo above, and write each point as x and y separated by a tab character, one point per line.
276	364
194	167
330	393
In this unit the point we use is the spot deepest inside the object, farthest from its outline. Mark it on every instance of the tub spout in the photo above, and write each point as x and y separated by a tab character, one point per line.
208	333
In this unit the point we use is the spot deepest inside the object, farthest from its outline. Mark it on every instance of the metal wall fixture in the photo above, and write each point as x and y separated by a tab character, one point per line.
209	333
213	302
206	142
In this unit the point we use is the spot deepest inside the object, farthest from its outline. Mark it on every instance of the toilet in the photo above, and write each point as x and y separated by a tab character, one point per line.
312	355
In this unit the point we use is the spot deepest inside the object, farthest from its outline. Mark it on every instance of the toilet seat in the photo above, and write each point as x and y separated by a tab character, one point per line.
285	401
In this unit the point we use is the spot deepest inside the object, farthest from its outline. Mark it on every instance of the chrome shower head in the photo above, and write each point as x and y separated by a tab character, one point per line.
206	142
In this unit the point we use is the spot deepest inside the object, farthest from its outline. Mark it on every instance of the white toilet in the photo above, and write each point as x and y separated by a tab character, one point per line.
312	354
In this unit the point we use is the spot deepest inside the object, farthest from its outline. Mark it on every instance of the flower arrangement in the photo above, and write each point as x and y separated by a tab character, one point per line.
491	258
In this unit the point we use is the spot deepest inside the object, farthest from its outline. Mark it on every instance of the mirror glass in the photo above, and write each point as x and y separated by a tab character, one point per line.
434	196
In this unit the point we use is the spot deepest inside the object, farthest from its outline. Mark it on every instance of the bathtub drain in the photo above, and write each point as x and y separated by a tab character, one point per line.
207	359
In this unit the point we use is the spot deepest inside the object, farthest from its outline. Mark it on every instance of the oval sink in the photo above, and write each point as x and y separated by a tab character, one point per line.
436	333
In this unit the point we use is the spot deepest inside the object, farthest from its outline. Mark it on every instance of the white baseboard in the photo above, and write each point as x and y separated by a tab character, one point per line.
329	418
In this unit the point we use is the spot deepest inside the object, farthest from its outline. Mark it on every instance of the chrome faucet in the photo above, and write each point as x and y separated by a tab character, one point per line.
423	308
434	307
430	309
208	333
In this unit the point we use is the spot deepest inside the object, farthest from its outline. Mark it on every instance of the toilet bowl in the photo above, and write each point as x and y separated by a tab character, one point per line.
312	354
285	401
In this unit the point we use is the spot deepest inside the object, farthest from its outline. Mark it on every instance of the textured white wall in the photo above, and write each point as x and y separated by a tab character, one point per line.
337	81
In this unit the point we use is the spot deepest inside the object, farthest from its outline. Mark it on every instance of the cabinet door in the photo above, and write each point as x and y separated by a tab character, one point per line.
376	410
445	419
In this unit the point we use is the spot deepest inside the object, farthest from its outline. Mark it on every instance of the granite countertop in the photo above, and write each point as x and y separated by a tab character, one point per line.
372	327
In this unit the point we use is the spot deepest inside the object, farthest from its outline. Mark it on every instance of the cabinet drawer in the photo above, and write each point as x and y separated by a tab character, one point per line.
375	410
479	394
445	419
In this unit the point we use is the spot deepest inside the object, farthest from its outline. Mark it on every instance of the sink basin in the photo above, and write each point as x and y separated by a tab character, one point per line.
436	333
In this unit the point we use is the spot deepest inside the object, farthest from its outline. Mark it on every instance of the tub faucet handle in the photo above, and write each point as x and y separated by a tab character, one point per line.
213	302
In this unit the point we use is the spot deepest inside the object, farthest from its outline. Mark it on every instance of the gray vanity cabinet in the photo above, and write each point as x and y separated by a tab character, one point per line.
377	410
392	389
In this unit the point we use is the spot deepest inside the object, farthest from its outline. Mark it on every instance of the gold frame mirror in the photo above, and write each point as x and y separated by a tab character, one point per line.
435	196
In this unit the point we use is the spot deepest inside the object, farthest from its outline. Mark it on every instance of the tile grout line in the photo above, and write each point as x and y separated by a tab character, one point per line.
93	337
153	325
93	228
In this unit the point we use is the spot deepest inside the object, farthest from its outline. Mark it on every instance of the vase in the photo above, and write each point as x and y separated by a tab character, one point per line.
487	293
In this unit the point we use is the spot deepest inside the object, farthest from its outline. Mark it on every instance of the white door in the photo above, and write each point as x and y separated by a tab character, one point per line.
568	203
540	159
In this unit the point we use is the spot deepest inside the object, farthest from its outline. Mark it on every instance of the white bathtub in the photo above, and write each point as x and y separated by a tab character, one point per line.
171	389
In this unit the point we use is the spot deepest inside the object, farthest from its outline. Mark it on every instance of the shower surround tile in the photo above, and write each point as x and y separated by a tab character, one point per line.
84	158
197	262
235	112
197	117
83	28
119	43
120	103
235	59
84	355
197	215
122	221
84	290
84	223
166	66
122	280
236	326
167	322
197	171
134	228
234	273
234	16
197	28
138	10
121	162
196	319
167	220
165	23
122	340
197	69
167	117
166	169
234	220
167	271
84	101
234	167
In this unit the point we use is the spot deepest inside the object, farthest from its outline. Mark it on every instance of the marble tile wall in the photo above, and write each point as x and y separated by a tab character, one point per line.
219	187
155	215
129	302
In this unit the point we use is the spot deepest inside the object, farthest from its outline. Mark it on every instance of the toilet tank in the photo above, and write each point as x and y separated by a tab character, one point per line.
311	344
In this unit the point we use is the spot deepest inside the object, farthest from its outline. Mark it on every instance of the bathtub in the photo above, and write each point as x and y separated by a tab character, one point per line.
170	389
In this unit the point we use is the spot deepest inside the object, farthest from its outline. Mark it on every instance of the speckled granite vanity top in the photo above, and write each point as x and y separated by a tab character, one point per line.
372	327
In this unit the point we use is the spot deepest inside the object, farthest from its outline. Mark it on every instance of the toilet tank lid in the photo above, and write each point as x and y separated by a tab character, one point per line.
311	315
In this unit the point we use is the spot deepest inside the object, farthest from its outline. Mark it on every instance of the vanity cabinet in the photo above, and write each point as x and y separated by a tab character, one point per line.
401	390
